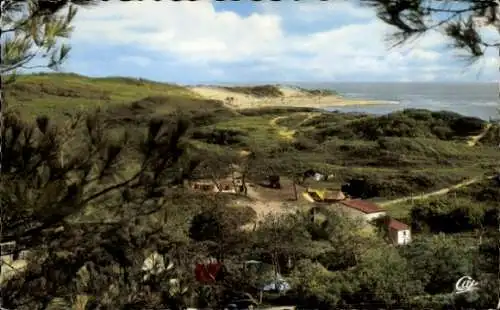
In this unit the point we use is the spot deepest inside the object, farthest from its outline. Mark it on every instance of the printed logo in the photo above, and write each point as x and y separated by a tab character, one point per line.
465	284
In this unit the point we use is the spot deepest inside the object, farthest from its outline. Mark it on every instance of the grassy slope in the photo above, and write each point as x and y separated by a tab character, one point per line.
55	94
398	166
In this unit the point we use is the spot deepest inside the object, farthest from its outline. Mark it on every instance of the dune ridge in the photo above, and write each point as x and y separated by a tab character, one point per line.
291	97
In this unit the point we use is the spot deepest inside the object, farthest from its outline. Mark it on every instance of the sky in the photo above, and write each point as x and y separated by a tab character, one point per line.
254	42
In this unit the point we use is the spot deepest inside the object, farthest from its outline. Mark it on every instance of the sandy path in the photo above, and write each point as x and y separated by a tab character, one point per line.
439	192
475	139
291	97
287	133
283	131
309	117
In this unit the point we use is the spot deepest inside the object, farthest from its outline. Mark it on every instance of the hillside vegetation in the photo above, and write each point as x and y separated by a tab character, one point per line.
403	153
258	91
57	94
103	192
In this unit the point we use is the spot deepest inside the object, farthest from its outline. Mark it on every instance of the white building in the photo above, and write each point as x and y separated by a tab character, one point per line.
399	233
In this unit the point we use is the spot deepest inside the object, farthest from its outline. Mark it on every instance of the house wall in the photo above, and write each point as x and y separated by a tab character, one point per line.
398	236
401	240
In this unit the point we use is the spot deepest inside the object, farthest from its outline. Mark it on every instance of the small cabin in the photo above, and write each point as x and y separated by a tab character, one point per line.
399	233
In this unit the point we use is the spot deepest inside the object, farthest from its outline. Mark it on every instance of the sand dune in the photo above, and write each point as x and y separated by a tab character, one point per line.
291	98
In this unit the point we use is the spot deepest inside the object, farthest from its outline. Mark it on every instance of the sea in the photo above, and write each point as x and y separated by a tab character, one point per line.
470	99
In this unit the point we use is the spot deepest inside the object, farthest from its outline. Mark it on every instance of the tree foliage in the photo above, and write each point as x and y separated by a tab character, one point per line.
461	21
34	28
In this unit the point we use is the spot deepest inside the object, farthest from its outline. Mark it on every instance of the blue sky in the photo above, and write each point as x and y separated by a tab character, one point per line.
244	41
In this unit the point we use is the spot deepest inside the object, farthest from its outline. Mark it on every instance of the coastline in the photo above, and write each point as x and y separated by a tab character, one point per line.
291	98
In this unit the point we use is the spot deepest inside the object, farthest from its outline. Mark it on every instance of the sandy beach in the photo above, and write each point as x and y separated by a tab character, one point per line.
291	98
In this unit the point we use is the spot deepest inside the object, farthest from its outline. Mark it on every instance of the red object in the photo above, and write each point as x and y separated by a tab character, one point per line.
207	273
397	225
362	205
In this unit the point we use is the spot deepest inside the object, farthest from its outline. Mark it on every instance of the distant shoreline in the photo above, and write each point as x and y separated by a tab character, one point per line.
290	97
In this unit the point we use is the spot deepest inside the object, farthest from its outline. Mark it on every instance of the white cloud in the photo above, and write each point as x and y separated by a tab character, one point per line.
194	33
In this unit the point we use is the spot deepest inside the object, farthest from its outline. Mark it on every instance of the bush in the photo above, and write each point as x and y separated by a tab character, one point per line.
466	126
304	144
447	216
220	136
409	123
258	91
319	92
274	111
213	223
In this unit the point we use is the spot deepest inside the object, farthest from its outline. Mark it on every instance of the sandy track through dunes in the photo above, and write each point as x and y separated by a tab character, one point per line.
438	192
475	139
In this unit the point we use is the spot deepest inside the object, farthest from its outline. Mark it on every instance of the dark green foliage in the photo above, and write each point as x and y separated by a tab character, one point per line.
210	223
211	116
274	111
220	136
139	113
438	262
467	126
136	186
258	91
318	92
465	209
451	216
40	172
303	143
409	123
360	188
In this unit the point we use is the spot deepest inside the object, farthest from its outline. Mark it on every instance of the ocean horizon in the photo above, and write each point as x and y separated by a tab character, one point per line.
476	99
471	99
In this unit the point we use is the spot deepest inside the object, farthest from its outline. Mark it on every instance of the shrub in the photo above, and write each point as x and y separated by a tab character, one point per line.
447	216
258	91
304	144
213	223
466	126
274	110
220	136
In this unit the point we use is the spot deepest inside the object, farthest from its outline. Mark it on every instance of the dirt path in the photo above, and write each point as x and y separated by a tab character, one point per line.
471	142
284	132
475	139
289	133
309	117
439	192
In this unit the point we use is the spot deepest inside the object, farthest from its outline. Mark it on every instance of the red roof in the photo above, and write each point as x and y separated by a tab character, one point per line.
397	225
362	205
